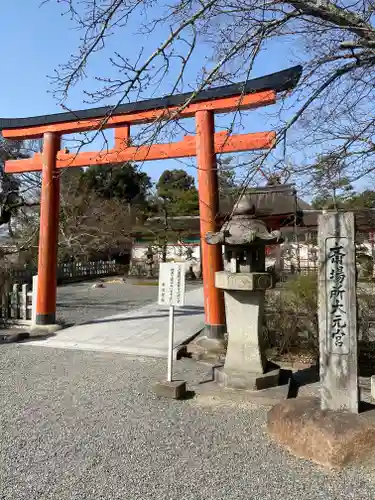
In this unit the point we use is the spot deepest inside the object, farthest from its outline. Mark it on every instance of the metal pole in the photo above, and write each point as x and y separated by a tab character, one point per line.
170	343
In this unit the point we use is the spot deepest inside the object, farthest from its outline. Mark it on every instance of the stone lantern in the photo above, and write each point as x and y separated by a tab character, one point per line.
190	275
149	262
244	282
189	253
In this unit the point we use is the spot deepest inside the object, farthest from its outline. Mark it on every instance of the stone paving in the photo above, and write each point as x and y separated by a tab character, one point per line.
142	331
79	302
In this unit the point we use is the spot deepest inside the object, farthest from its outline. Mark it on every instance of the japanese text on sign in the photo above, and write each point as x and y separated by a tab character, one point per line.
171	284
337	311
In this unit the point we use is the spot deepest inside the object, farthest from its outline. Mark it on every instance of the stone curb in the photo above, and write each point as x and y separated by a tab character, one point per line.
266	397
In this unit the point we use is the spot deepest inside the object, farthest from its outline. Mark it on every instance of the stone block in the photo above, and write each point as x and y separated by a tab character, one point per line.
329	438
200	352
266	397
246	380
373	386
243	281
246	347
206	349
172	390
42	330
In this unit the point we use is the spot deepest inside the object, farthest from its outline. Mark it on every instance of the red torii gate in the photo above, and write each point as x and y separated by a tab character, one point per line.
205	145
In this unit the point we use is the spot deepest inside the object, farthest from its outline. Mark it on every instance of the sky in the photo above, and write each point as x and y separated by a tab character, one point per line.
35	39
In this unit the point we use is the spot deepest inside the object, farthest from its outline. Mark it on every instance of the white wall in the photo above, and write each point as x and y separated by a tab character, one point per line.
177	252
301	254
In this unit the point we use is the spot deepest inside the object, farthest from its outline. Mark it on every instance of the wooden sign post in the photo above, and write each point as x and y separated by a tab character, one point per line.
172	294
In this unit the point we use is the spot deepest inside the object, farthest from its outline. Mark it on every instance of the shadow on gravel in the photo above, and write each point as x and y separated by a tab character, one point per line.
93	304
189	395
31	338
301	378
10	338
211	374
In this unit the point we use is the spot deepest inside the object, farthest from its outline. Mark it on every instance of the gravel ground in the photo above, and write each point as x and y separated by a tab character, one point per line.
80	425
78	303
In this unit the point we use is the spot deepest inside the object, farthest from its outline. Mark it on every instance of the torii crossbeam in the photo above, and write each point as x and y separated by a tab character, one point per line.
204	145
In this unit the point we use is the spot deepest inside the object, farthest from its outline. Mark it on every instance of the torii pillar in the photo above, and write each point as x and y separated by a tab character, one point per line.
211	255
208	209
48	232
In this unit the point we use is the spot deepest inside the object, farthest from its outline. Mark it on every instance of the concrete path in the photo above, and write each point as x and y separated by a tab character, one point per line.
142	332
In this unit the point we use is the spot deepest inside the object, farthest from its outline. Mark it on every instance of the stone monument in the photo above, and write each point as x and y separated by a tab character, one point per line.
244	282
338	312
330	430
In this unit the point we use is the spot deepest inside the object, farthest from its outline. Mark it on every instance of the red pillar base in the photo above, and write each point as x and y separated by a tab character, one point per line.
44	330
215	332
46	319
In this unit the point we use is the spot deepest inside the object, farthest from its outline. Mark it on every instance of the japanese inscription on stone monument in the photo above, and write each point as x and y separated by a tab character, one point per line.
171	284
338	312
337	300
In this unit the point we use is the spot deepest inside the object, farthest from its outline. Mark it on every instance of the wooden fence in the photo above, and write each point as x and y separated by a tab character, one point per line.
71	271
16	306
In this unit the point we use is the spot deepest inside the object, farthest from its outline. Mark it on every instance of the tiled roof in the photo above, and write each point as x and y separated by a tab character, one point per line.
268	201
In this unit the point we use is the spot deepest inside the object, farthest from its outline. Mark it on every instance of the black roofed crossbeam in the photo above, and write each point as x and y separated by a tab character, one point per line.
279	82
